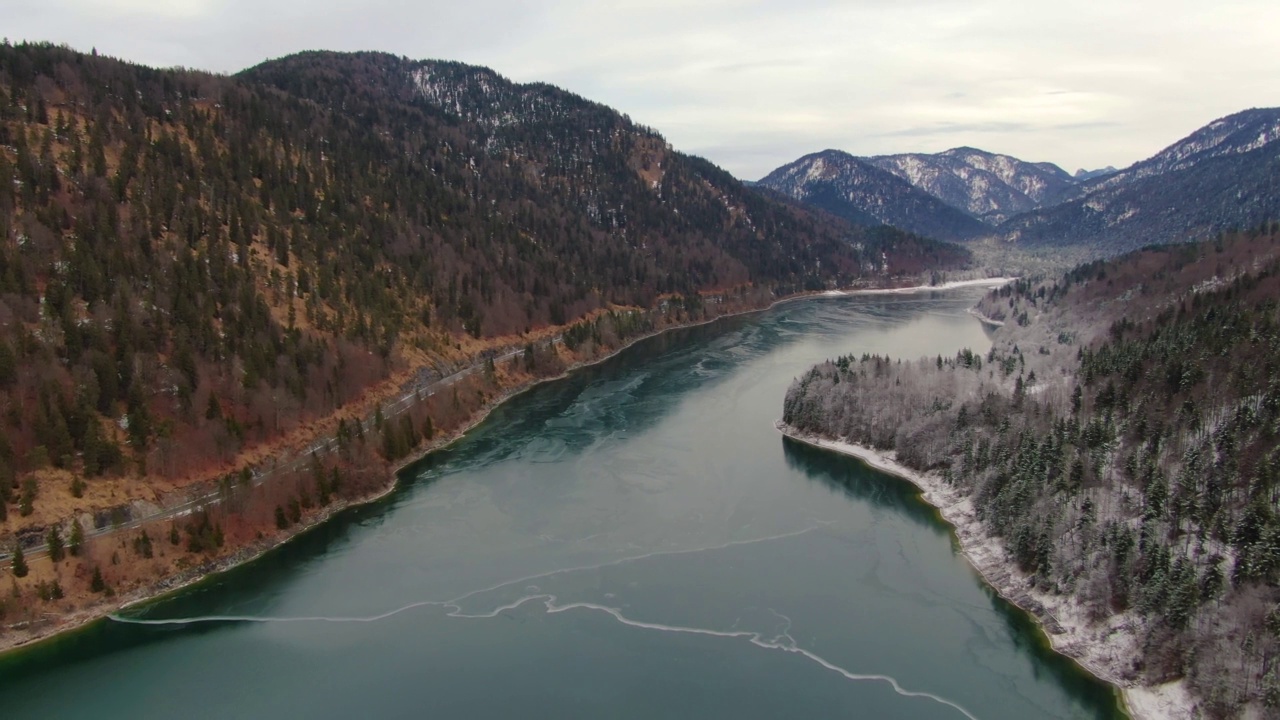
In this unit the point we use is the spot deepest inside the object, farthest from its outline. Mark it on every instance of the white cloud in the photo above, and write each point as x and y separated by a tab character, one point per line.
752	84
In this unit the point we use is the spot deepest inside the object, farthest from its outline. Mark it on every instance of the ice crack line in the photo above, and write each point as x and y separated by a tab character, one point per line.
455	602
781	640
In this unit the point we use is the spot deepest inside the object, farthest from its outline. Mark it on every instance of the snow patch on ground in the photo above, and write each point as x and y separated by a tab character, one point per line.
817	170
1160	701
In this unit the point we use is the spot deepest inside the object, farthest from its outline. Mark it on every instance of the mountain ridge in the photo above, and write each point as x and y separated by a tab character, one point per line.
989	186
864	194
1222	176
1219	177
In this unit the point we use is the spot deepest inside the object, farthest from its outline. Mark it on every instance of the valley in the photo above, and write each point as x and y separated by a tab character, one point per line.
351	363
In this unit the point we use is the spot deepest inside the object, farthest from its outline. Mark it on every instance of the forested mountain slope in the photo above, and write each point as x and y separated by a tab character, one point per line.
1121	438
1215	180
1236	134
192	265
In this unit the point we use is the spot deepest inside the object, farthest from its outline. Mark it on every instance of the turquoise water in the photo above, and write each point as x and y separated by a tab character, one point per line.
635	541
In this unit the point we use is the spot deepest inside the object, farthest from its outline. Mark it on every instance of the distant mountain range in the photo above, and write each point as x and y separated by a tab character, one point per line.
1224	175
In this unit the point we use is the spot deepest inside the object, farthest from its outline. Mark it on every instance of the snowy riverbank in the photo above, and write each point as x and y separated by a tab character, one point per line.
1107	649
983	318
953	285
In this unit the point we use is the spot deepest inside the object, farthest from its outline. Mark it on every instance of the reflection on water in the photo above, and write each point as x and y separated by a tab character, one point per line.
859	482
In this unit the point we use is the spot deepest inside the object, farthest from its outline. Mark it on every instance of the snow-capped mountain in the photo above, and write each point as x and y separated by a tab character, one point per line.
857	190
1224	175
988	186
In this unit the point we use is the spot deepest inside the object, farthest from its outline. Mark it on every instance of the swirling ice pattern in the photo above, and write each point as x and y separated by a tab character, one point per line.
781	641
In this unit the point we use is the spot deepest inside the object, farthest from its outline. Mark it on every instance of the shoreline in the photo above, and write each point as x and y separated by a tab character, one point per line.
984	319
952	285
1102	649
167	586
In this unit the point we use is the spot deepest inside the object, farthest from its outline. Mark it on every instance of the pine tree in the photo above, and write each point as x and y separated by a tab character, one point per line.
214	409
97	584
77	538
54	541
19	561
93	448
26	504
139	418
8	364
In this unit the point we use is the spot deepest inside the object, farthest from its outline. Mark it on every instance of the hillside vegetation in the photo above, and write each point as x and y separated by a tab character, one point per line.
1121	437
202	262
201	274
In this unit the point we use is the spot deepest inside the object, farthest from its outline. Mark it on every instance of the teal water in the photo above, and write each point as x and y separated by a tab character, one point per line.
635	541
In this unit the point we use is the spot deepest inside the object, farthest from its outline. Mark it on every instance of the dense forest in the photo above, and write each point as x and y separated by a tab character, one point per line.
194	265
1120	437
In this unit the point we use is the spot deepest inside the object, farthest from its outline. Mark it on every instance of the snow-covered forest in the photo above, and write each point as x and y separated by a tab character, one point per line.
1120	437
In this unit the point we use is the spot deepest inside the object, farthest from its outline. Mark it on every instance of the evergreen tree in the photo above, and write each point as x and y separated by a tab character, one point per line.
76	542
54	541
8	364
139	418
26	503
214	409
19	562
94	448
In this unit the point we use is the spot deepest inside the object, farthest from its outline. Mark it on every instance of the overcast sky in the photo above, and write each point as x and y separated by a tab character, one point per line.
753	84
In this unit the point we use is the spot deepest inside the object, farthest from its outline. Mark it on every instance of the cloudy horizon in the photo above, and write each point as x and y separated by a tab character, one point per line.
754	84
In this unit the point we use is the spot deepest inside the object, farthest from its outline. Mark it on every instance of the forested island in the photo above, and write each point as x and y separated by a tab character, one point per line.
1117	446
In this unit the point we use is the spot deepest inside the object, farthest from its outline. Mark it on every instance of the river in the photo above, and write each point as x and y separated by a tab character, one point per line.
634	541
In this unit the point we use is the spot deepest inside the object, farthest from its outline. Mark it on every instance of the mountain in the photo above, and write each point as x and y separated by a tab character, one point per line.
1225	175
194	266
540	147
988	186
928	191
1083	175
1237	134
857	190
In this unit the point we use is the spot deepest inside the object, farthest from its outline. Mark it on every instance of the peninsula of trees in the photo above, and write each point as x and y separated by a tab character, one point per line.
1120	439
